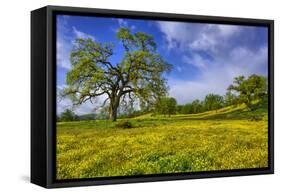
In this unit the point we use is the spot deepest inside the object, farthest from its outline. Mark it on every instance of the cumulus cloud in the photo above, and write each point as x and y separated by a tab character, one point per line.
206	37
227	30
80	34
65	38
63	43
213	51
177	34
123	23
85	108
66	103
216	76
196	60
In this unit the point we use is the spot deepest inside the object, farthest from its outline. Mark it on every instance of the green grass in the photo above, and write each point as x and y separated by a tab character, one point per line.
214	140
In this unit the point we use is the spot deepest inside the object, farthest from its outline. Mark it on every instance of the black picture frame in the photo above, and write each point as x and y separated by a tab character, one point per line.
43	95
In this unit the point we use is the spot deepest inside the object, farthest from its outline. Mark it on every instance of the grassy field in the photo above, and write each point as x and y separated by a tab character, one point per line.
216	140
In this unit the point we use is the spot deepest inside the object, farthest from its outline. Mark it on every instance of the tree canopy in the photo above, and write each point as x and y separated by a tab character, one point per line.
213	102
252	91
166	106
249	90
139	75
68	115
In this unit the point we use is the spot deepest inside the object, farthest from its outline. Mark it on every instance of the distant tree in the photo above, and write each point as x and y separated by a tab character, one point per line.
213	102
68	115
171	106
166	106
139	75
179	109
196	106
251	89
187	108
230	99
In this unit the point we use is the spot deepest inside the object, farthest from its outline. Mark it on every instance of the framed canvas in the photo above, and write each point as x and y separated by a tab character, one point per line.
126	96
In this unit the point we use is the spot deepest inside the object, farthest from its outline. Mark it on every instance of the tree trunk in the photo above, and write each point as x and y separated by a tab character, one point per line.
113	113
113	109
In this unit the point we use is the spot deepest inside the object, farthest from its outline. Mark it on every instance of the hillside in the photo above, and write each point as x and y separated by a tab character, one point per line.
230	112
216	140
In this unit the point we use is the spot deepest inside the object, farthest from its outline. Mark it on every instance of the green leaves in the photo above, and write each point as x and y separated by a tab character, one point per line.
136	41
213	102
145	41
68	115
251	89
166	106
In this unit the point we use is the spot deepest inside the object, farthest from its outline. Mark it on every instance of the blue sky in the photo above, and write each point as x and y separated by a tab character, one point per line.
205	57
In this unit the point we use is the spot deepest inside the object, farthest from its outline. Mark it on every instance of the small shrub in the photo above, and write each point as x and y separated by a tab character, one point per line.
124	125
256	118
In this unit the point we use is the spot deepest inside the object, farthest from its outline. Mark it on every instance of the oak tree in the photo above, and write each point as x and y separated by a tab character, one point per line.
249	90
140	75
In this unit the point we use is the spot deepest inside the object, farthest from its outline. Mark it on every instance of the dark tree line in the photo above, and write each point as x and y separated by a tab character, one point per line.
251	91
67	115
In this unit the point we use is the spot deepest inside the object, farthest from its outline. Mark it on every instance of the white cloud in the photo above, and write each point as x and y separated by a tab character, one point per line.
123	23
179	68
217	75
196	60
210	49
80	34
187	91
64	103
65	39
205	42
176	33
228	30
196	36
63	43
63	53
85	108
